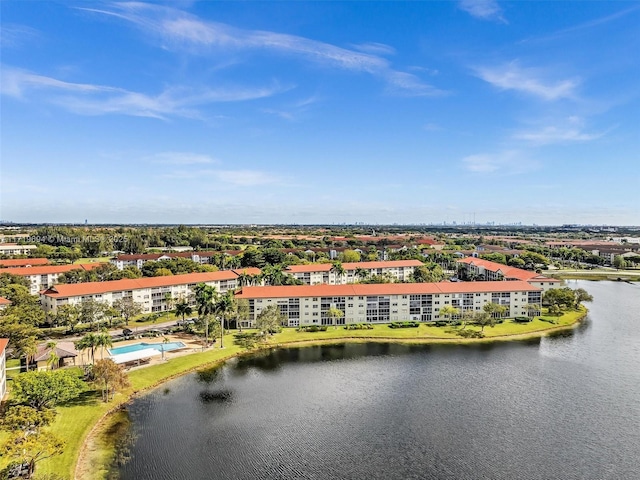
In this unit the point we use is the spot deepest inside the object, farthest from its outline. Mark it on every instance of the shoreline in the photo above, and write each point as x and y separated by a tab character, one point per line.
90	459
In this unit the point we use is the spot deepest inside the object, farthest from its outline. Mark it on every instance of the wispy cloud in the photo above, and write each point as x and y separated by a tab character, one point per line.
527	80
180	158
586	25
509	162
483	9
572	131
12	35
375	48
90	99
235	178
183	31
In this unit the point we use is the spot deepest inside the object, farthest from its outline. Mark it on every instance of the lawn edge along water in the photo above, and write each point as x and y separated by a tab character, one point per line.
92	452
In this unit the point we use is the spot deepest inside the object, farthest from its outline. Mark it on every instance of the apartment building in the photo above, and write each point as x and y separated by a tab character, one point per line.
22	262
480	269
383	303
4	303
15	249
150	292
137	260
315	274
45	276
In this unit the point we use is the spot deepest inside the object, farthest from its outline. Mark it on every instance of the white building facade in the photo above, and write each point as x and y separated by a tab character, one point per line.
384	303
324	273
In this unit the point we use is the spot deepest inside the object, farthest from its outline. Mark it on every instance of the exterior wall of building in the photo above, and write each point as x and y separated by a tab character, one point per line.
152	299
388	308
11	249
330	278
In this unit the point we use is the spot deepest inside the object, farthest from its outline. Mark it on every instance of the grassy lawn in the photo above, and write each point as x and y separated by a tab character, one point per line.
93	260
75	421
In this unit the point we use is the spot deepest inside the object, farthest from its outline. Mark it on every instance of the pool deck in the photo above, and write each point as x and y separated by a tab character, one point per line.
192	344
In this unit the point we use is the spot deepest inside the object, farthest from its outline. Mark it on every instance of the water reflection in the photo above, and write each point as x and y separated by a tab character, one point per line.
536	409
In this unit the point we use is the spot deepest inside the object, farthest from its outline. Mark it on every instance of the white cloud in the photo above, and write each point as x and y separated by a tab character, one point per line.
180	158
509	162
180	30
89	99
552	134
483	9
375	48
245	178
12	35
527	80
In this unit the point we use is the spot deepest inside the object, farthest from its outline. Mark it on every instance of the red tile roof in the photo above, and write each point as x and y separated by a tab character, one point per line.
3	344
23	262
155	256
93	288
384	289
4	301
50	269
507	271
325	267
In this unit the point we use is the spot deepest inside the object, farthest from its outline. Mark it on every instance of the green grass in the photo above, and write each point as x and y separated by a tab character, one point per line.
74	422
93	260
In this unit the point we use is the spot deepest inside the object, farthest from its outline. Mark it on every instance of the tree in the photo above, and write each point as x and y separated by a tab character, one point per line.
110	377
430	272
350	256
619	262
183	308
127	308
169	301
242	312
449	311
24	420
68	315
334	314
495	310
484	318
53	359
33	448
361	274
92	311
103	340
47	388
533	308
225	307
269	320
206	299
338	270
581	295
88	342
22	337
559	297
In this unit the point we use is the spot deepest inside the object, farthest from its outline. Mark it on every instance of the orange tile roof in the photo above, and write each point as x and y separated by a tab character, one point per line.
3	344
91	288
325	267
384	289
23	262
4	301
50	269
507	271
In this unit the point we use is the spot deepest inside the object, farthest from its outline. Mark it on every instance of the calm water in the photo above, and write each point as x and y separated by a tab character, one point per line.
566	407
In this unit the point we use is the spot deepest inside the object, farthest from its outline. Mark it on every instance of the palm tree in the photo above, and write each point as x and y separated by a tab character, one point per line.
245	279
225	306
102	340
183	309
361	273
169	300
206	299
89	341
53	356
533	308
29	350
338	270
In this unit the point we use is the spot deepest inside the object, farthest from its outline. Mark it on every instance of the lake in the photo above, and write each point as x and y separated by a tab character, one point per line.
562	407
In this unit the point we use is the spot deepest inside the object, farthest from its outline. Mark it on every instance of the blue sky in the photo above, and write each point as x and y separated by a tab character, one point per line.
320	112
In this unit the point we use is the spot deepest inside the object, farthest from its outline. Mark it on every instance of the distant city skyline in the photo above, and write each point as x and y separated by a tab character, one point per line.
320	112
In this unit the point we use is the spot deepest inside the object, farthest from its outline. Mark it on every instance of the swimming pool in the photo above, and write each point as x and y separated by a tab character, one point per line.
167	347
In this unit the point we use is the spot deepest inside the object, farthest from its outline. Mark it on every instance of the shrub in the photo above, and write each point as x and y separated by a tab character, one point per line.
522	319
358	326
469	333
313	328
409	324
